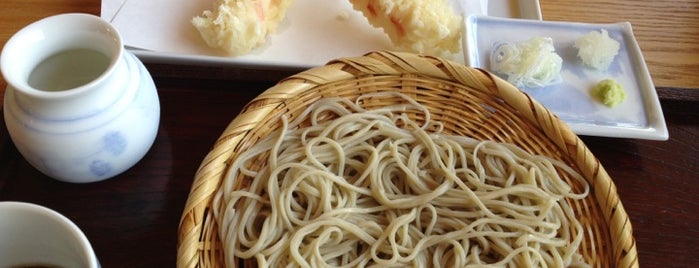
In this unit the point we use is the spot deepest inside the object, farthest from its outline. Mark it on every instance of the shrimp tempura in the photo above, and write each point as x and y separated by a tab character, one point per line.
421	26
238	26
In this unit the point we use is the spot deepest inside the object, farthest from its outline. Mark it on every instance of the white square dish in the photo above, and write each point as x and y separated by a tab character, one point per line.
639	116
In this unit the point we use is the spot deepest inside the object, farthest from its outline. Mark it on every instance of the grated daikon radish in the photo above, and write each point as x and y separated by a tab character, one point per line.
597	50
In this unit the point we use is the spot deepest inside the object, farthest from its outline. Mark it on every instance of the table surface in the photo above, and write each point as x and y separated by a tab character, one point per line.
132	219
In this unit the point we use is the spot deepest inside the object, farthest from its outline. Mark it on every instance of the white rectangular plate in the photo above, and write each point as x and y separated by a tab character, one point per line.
639	116
313	32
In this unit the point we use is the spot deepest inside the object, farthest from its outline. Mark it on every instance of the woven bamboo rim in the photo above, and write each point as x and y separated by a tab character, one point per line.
469	101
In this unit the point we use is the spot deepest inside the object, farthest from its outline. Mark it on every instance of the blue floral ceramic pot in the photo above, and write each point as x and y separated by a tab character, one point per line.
78	106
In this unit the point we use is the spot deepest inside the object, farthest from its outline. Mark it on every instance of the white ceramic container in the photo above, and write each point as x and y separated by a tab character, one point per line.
78	106
36	236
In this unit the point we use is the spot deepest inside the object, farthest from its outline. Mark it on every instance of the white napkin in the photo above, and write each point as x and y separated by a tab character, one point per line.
471	7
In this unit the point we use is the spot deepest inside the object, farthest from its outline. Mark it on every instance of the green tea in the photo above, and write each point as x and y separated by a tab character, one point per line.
68	69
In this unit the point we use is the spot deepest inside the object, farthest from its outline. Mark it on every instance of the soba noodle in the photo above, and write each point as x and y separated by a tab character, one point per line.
345	186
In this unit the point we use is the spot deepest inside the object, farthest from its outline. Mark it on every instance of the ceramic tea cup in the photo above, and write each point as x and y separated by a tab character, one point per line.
36	236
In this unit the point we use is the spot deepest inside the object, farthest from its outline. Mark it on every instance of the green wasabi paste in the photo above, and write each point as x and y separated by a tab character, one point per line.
609	92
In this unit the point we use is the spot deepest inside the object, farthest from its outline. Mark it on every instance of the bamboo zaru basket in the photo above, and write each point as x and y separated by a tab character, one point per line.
470	102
